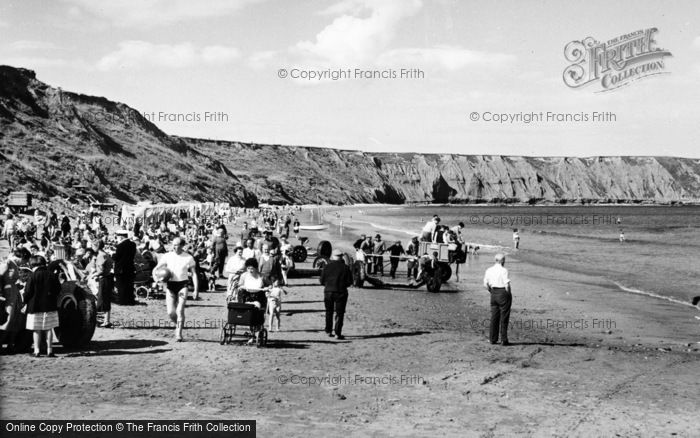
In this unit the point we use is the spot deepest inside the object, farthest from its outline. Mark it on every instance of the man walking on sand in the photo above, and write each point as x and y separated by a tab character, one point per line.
180	264
497	283
336	277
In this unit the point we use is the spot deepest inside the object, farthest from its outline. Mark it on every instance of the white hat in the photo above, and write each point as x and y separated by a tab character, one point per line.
499	257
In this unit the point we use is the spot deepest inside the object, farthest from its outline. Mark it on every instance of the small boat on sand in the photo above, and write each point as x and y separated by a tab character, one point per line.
313	227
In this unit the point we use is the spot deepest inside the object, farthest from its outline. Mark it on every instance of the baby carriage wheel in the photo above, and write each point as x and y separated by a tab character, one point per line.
142	291
262	338
222	336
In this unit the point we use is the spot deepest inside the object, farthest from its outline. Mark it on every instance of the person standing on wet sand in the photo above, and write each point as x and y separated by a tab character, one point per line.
497	283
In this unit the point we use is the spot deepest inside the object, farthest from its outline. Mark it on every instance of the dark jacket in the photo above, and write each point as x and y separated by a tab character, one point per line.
336	277
41	291
124	258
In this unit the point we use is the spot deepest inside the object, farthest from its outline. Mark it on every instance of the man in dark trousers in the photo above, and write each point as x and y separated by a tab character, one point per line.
220	253
395	251
336	277
497	283
124	270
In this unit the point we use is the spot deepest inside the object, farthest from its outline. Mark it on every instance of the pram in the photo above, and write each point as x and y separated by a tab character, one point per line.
244	313
149	289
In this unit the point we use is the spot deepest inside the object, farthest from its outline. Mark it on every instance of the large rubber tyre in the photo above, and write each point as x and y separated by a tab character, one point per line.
142	292
445	272
320	262
77	316
325	249
434	283
24	341
299	254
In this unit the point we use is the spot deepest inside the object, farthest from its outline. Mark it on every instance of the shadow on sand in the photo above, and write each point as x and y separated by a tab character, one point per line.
117	347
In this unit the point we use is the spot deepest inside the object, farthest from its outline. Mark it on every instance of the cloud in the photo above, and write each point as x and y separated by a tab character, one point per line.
361	36
220	54
22	45
260	60
356	39
141	13
448	58
137	54
696	42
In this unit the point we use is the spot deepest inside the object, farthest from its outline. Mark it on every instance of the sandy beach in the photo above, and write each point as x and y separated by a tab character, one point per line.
586	360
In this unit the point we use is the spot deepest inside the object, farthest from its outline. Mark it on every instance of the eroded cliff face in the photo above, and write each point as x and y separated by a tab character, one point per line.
64	144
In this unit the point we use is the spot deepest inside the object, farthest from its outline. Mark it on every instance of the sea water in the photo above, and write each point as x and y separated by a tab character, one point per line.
659	254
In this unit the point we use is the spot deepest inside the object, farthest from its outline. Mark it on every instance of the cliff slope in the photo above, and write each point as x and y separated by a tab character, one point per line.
57	143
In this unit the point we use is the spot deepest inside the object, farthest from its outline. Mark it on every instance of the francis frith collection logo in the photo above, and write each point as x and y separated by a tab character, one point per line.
616	62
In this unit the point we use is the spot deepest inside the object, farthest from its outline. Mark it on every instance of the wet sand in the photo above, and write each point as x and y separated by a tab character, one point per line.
588	359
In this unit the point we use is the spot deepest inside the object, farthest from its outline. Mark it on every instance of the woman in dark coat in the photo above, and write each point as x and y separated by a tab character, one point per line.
41	294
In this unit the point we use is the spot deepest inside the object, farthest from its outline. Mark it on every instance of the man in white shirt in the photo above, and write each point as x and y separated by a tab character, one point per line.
429	232
497	283
249	252
180	264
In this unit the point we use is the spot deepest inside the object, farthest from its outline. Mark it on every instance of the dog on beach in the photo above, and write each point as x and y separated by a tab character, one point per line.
274	304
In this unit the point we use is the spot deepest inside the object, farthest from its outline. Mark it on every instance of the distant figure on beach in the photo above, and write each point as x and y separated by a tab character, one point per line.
622	236
457	231
412	264
497	283
395	252
516	238
619	220
429	233
295	227
379	248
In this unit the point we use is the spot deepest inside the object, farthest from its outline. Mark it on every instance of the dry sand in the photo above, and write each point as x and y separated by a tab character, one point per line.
412	364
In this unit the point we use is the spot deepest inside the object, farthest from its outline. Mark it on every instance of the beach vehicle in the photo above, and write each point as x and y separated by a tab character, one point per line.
432	278
321	255
246	315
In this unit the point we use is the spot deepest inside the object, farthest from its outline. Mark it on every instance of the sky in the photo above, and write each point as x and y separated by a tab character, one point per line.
242	70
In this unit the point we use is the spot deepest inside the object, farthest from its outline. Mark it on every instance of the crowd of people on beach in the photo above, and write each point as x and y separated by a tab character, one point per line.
180	252
112	262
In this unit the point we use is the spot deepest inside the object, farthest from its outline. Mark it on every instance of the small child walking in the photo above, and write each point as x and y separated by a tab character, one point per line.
274	304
